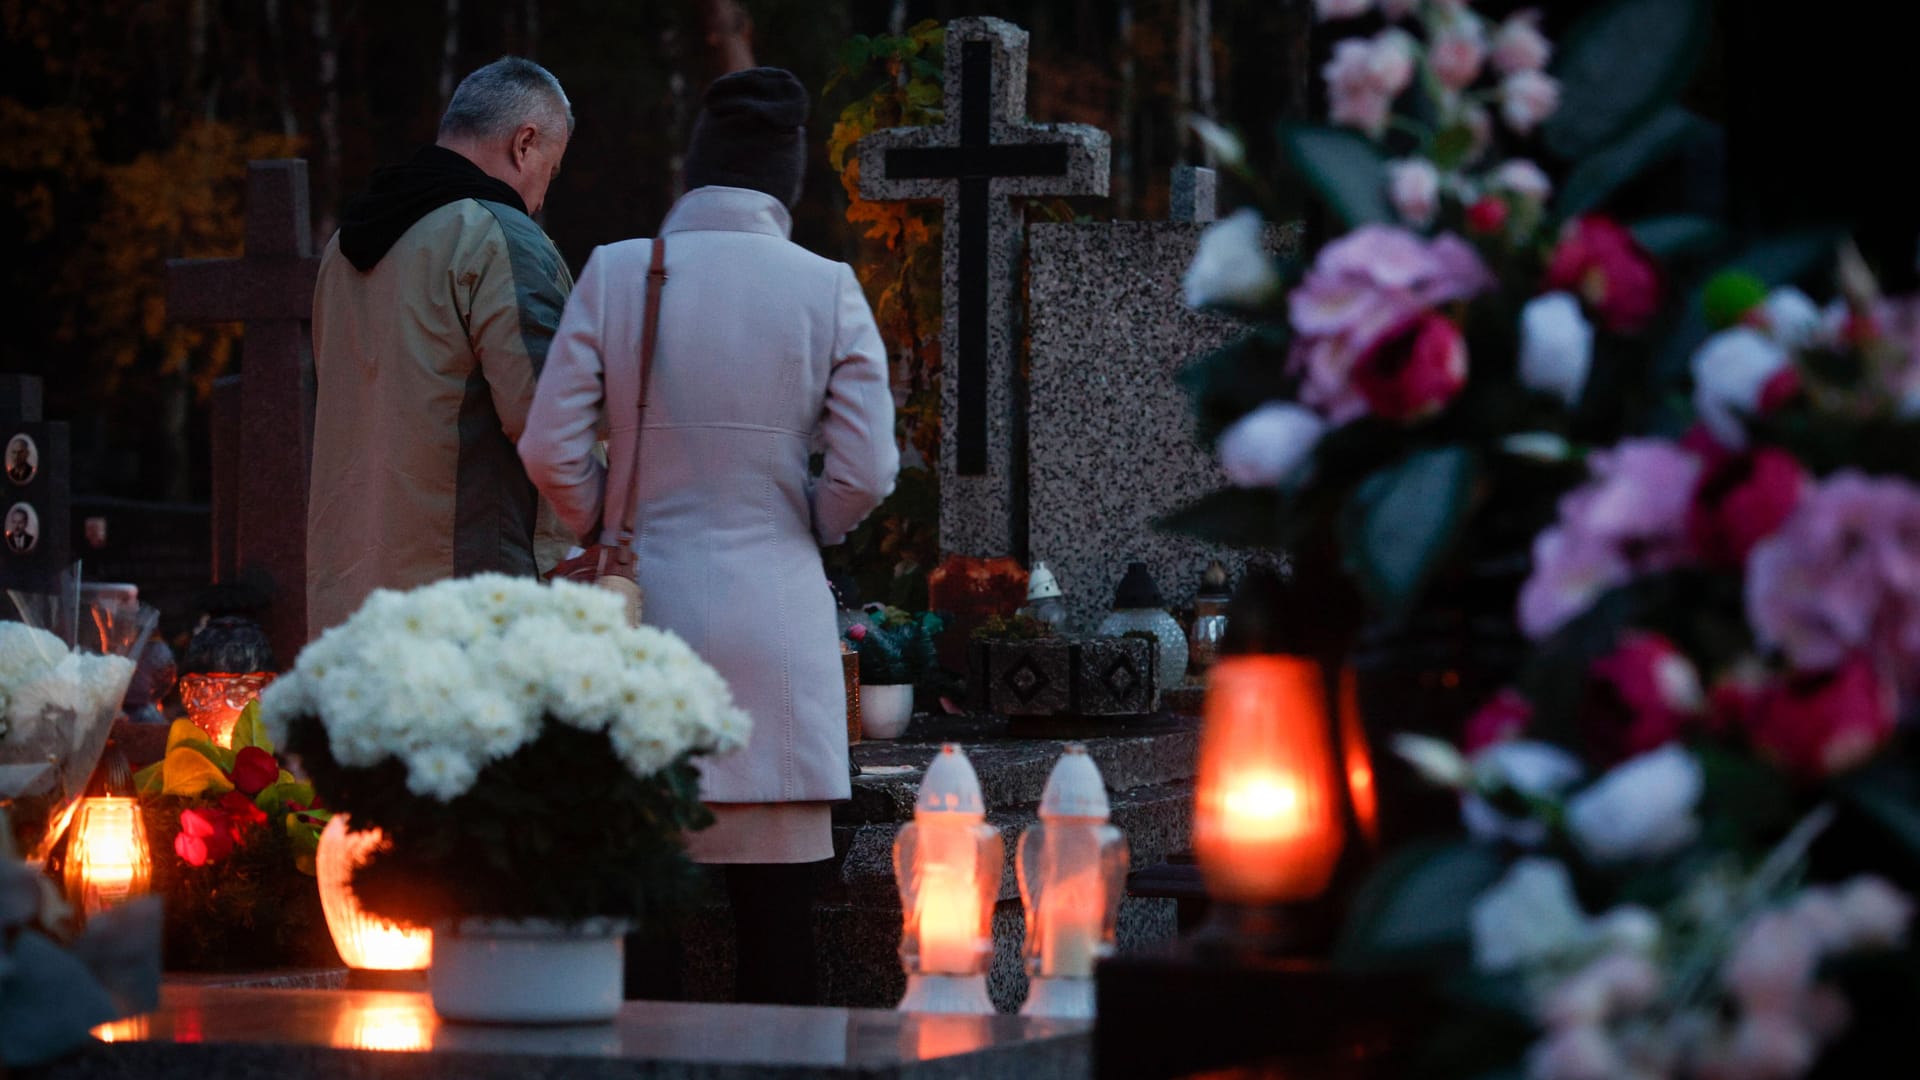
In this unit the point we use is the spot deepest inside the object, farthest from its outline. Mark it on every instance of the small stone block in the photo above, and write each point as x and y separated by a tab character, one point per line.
1113	676
1030	678
1196	194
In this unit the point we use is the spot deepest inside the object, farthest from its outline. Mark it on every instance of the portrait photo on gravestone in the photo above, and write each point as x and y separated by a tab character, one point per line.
958	538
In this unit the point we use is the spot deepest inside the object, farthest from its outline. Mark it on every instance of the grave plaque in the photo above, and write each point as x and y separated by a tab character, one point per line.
35	464
982	155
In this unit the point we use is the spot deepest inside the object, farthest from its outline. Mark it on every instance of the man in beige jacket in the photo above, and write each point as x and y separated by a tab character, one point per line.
435	305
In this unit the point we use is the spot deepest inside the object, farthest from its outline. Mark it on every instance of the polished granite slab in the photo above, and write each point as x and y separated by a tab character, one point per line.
201	1033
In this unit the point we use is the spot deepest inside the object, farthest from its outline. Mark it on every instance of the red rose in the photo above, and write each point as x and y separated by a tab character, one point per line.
858	631
1414	369
210	829
1656	688
242	814
254	769
191	849
1503	717
1487	215
1818	724
1600	261
1740	501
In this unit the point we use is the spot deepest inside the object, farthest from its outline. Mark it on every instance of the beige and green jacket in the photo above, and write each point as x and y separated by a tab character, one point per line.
424	368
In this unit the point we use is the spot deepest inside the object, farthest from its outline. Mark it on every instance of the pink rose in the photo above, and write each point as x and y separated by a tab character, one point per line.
1457	54
1820	724
1355	97
1414	186
1527	98
1413	370
1741	501
1504	717
1370	281
208	833
857	632
1656	688
1520	46
1600	261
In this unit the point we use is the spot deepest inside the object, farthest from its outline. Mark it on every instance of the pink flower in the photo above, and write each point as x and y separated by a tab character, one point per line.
857	632
1364	77
1340	9
1527	98
1520	46
1631	518
1656	687
208	836
1361	286
1412	371
1395	10
1772	963
1876	914
1504	717
1457	53
1820	724
1601	262
1523	178
1742	500
1843	574
1414	186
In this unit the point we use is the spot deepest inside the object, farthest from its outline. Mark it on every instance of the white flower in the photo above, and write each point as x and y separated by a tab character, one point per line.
1773	962
1731	373
1224	145
1269	444
1534	770
1876	913
1457	52
1231	267
1340	9
1528	917
1390	60
439	772
1612	984
1520	46
1631	928
1769	1045
1642	809
1436	760
1522	178
1792	317
1556	347
1527	98
1414	186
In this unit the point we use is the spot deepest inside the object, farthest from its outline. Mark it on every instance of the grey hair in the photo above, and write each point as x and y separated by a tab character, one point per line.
497	99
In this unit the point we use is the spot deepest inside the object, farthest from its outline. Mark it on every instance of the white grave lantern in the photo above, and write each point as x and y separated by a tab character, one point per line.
948	863
1073	874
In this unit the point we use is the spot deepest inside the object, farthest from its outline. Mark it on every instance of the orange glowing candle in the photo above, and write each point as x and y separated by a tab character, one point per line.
1267	823
364	941
107	860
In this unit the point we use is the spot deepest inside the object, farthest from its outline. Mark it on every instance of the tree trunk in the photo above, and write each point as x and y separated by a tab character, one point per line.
449	52
727	31
1203	63
1183	81
327	44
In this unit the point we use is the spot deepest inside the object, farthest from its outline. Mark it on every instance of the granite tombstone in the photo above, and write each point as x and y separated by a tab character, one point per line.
34	496
983	154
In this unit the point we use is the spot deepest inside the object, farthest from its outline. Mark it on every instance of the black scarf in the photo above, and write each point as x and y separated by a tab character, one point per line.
400	195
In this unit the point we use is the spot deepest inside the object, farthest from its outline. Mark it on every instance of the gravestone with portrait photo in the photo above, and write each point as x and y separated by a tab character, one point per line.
34	496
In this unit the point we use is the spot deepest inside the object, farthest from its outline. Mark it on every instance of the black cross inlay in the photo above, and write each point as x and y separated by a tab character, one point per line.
975	163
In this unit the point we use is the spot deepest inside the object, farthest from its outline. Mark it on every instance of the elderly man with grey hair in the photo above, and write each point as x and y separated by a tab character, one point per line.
431	319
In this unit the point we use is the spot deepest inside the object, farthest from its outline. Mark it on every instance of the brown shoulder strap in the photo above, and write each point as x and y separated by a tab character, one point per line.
649	336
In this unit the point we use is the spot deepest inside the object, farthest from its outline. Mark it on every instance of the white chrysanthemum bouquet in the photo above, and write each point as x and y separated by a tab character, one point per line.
528	754
56	708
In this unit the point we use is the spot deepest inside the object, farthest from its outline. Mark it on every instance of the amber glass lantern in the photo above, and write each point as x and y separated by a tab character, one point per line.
215	700
366	943
108	861
948	862
227	664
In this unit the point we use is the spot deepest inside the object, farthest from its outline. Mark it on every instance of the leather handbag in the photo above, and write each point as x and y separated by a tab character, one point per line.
615	566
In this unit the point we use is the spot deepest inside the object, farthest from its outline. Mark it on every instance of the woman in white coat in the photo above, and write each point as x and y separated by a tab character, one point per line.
765	352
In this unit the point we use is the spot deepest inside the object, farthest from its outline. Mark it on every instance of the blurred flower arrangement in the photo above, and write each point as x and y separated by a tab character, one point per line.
528	754
234	835
1686	485
896	647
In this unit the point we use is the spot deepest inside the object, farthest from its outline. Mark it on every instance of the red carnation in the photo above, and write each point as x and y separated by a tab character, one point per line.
242	814
254	769
1600	261
1487	215
1823	723
208	833
1740	501
1413	370
1503	717
1657	688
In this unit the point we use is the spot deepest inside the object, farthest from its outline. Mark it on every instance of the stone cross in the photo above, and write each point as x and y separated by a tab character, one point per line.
263	422
980	156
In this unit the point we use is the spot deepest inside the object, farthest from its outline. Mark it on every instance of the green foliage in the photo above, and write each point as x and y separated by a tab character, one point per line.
1012	628
1609	168
1235	379
1344	168
1403	521
560	830
896	646
1412	911
1619	65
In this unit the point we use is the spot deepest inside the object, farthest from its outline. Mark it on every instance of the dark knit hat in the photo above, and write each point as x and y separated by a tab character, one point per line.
751	133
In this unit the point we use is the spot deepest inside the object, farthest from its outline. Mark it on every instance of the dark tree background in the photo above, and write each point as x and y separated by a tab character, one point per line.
125	126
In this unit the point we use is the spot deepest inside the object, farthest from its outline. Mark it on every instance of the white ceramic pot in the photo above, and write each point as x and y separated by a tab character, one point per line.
498	971
885	709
